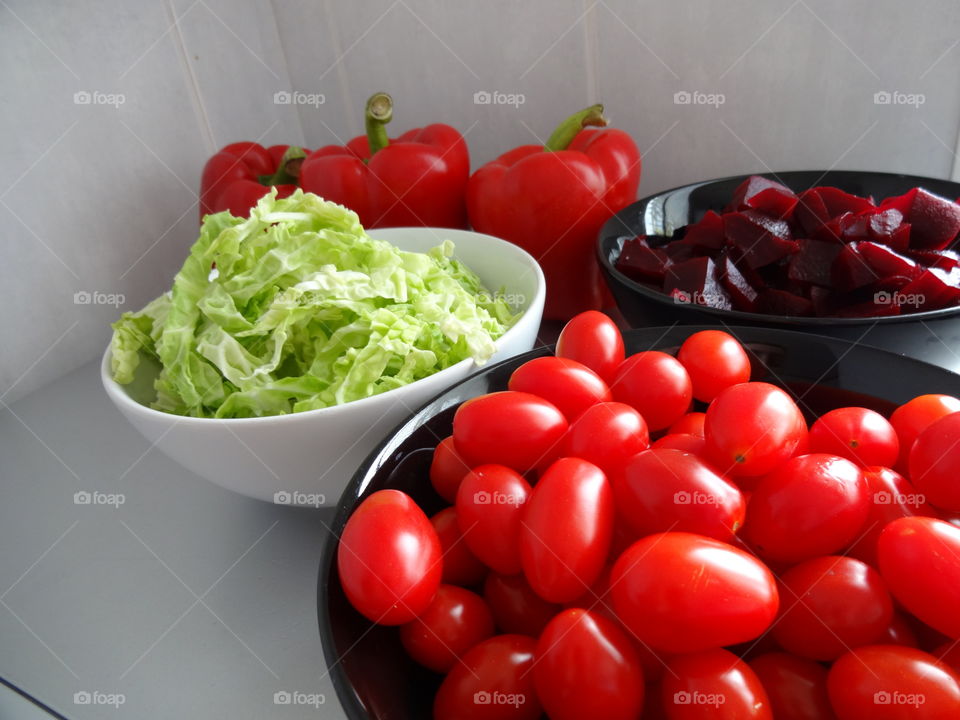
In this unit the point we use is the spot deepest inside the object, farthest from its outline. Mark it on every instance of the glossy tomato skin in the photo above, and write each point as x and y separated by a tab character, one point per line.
447	469
857	434
460	566
891	497
656	385
515	606
713	684
482	433
920	562
715	360
935	463
571	386
752	428
490	509
693	444
492	681
567	529
811	505
587	667
666	489
890	682
899	632
456	621
915	416
608	435
389	558
594	340
949	654
830	605
795	686
680	593
691	423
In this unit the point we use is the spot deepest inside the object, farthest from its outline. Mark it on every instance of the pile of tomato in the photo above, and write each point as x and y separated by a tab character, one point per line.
742	565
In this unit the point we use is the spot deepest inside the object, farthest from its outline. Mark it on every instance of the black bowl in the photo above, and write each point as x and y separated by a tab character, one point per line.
916	334
372	676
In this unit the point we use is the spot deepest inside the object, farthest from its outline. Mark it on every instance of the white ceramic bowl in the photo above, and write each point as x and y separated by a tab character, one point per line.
307	458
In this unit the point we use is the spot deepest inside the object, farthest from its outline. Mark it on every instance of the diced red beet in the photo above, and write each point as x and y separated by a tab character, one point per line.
935	288
850	269
934	219
832	230
781	302
900	238
886	262
884	223
680	251
839	202
824	300
707	233
638	261
743	295
775	202
813	261
753	186
695	281
944	259
891	283
900	203
810	212
855	227
761	240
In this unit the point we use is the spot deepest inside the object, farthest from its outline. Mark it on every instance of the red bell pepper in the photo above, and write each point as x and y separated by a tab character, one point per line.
243	172
420	178
552	200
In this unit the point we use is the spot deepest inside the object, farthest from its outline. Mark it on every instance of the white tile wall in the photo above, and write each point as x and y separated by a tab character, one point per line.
101	198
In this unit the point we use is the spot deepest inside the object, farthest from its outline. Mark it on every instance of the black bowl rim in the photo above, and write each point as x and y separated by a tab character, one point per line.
348	499
739	315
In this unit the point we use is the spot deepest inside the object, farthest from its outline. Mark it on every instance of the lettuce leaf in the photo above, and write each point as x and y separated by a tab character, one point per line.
297	308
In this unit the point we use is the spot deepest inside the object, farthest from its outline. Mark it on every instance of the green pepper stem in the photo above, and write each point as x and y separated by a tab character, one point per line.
568	129
288	171
378	113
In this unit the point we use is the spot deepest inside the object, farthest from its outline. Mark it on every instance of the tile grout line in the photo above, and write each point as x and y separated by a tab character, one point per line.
206	129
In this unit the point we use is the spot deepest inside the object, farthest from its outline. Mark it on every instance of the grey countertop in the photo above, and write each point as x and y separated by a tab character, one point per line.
166	598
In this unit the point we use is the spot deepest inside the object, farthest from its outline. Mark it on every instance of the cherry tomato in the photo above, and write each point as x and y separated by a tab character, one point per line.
713	684
587	667
829	605
796	687
490	508
594	340
665	489
515	606
567	529
857	434
508	428
460	566
811	505
691	423
608	434
920	562
949	654
935	463
447	469
899	632
891	497
679	592
752	428
715	360
389	558
656	385
571	386
693	444
912	418
456	621
890	682
493	681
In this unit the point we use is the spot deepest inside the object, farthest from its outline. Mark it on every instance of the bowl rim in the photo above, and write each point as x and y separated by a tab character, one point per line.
120	397
607	236
346	693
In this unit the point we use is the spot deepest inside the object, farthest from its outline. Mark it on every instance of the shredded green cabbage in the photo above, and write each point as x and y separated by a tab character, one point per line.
297	308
